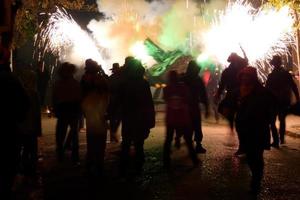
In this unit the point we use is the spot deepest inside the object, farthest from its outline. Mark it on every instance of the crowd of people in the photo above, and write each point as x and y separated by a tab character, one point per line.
125	98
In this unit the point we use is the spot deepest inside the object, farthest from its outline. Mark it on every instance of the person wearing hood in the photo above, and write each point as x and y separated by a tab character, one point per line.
138	115
198	95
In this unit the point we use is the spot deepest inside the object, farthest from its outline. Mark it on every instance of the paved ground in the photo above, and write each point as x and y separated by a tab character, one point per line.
220	175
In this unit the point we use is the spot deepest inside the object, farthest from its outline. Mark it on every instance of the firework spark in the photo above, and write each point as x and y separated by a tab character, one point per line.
63	37
260	32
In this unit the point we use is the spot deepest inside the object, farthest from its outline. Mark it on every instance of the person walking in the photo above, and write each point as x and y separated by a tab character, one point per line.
252	105
280	82
229	82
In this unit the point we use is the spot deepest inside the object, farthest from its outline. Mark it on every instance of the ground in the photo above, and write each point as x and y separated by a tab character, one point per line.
220	175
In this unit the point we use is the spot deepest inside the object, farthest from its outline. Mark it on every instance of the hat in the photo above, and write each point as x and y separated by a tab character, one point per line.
115	67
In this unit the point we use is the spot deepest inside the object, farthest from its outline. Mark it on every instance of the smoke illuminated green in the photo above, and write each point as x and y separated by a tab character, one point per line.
164	59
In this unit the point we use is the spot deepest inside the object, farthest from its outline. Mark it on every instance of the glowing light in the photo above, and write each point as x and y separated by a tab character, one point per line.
202	57
139	51
260	32
65	38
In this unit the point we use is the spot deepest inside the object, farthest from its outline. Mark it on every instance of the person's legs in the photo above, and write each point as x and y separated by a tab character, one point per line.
30	156
197	126
282	125
61	130
187	133
114	125
74	126
167	146
139	154
256	165
274	131
125	148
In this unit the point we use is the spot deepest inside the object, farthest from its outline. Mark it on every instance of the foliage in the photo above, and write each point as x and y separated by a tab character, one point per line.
29	16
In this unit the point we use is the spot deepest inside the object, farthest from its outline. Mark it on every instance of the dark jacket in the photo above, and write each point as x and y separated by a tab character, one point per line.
137	104
281	84
253	116
198	94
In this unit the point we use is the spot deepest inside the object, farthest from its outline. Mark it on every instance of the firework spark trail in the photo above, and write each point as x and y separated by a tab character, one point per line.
63	37
260	32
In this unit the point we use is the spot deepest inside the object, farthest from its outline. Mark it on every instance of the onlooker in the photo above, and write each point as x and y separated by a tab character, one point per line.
198	95
31	128
280	82
94	105
177	97
138	115
14	105
66	104
113	109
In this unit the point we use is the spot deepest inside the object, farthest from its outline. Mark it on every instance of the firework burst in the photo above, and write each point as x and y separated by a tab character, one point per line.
63	37
262	33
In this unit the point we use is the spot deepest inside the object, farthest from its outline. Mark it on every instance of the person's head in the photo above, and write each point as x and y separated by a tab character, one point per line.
128	60
192	69
115	68
276	61
67	70
91	67
232	57
248	80
172	77
28	78
135	69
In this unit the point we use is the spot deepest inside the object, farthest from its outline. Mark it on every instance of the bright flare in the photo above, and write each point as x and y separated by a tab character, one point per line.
261	33
139	51
63	37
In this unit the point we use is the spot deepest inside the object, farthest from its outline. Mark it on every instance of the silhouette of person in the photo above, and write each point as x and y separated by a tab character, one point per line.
198	95
31	128
43	78
14	105
94	105
66	104
138	115
280	82
113	109
177	97
229	82
252	106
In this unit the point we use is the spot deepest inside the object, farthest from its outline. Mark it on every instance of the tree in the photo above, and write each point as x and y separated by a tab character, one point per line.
28	16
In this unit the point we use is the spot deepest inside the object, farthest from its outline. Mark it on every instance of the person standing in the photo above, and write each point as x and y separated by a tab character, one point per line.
14	105
198	95
177	97
66	104
31	128
113	109
280	82
252	105
94	106
138	115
